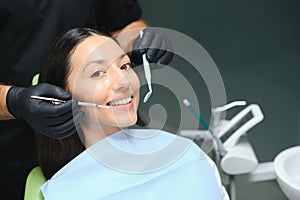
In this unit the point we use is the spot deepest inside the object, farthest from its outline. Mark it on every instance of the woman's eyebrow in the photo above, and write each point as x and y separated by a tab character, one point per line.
123	55
100	61
93	62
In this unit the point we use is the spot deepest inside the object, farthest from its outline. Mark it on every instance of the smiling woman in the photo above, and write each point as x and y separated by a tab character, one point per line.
105	160
93	68
100	68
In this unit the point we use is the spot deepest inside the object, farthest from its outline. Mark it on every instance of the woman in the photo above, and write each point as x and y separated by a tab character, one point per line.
117	163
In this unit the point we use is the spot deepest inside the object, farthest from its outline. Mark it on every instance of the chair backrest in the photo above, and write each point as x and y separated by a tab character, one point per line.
33	183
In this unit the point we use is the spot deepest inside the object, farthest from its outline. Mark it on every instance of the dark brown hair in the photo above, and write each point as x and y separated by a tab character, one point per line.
54	69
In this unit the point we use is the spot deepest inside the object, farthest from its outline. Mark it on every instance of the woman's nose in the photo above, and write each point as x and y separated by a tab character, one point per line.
121	79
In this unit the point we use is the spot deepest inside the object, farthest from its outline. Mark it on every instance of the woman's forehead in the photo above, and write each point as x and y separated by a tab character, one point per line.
97	47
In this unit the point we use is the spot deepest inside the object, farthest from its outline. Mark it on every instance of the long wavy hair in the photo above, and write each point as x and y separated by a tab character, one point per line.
54	69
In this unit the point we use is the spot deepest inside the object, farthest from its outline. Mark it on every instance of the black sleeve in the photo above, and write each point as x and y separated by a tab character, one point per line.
113	15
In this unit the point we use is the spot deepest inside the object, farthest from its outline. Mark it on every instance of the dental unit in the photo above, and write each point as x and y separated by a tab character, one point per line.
240	157
220	150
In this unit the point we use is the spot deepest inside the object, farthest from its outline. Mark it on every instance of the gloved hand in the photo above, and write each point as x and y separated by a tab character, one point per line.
155	44
53	120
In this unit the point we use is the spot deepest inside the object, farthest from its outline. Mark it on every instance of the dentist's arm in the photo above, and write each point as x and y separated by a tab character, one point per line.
4	113
53	120
129	33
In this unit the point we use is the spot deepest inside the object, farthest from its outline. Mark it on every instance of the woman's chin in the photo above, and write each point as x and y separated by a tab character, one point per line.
124	123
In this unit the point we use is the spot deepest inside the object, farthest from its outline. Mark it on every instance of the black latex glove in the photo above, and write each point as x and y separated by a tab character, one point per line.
53	120
155	44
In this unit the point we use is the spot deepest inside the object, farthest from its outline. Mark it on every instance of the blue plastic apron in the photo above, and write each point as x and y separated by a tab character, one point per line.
137	164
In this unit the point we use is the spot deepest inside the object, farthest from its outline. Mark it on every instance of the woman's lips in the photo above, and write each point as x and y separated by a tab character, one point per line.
122	101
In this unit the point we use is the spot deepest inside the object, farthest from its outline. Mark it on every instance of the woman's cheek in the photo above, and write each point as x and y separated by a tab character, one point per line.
135	81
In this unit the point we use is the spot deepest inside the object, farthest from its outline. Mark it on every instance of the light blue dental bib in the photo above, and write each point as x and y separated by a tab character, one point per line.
151	171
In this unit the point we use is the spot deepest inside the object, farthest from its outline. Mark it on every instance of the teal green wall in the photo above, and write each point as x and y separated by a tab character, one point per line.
255	45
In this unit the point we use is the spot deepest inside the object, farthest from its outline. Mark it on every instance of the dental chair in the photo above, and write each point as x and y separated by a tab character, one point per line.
33	182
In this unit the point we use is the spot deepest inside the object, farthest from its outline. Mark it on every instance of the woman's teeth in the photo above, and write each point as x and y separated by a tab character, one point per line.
121	102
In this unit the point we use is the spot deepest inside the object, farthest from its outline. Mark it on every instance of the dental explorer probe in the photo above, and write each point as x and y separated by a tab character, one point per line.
80	103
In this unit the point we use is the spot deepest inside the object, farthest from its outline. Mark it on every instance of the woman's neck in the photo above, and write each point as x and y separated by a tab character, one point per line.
94	133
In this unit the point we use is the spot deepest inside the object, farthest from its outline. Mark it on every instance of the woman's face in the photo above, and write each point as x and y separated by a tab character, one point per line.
101	73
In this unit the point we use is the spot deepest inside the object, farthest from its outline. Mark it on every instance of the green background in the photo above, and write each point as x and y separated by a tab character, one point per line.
255	45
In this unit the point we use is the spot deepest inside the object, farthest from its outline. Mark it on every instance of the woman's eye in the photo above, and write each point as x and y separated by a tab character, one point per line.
97	74
125	66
